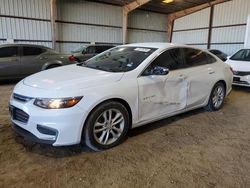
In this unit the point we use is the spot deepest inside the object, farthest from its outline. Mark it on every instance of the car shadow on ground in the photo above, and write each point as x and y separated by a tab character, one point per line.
68	151
163	122
9	82
241	88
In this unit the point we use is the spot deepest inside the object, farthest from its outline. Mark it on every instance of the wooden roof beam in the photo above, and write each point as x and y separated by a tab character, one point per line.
191	10
134	5
173	16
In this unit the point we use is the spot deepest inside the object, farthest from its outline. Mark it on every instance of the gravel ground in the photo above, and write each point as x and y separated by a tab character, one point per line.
196	149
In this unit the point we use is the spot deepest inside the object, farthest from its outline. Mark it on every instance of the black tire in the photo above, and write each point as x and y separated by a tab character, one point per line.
52	66
89	138
211	106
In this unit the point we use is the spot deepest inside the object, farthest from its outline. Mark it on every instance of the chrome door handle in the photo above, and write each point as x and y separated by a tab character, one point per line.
211	71
182	77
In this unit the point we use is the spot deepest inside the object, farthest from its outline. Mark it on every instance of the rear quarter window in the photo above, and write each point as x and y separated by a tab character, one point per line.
195	57
210	58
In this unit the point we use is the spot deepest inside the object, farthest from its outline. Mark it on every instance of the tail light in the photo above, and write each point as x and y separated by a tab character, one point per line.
72	58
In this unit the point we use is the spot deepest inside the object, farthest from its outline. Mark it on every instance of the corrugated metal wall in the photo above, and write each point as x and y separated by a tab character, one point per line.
85	22
232	14
192	29
78	22
146	26
228	28
25	21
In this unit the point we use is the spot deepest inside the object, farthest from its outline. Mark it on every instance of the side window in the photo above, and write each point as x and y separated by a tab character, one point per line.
210	59
194	57
90	50
8	52
32	51
216	52
100	49
108	47
170	59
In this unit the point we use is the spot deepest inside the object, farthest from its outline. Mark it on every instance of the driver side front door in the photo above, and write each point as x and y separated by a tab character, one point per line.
160	95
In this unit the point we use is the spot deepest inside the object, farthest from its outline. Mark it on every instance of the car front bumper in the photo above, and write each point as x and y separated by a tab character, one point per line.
57	127
241	80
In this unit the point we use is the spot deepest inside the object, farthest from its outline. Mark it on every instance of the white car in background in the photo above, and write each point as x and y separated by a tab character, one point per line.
96	102
240	63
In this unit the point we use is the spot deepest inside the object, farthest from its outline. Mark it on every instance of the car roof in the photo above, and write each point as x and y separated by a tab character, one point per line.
159	45
98	45
22	44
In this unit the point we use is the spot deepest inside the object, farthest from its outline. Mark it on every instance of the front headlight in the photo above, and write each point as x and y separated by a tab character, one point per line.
57	103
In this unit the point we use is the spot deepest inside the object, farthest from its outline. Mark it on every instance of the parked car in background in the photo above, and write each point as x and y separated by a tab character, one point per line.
85	52
219	54
20	60
96	102
240	63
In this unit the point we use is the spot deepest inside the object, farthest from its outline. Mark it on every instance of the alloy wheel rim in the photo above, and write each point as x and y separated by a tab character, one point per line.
218	96
108	127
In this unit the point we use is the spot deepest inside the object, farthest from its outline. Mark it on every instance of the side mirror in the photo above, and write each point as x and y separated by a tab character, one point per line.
160	71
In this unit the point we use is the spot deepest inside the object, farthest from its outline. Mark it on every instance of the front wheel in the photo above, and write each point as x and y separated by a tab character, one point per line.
217	97
52	66
106	127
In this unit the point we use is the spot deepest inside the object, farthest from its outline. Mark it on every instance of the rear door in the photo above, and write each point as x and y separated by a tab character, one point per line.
10	66
200	73
33	58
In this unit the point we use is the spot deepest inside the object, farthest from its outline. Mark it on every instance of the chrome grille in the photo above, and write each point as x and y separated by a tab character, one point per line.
21	98
241	73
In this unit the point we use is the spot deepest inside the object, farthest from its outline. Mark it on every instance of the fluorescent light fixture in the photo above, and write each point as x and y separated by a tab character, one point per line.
167	1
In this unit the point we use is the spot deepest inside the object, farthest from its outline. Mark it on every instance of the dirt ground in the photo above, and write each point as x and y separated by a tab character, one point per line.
196	149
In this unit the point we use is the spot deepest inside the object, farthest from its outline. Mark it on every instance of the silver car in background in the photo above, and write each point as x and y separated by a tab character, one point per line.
20	60
86	52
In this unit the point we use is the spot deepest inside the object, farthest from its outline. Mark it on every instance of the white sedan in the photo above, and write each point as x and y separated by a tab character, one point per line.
96	102
240	63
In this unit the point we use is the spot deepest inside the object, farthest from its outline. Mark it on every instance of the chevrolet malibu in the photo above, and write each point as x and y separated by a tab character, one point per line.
96	102
240	63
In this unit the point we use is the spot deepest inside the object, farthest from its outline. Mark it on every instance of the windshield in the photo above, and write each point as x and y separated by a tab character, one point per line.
242	55
119	59
79	49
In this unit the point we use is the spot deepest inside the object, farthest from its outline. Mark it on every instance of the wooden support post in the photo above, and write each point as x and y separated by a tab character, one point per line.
53	22
170	24
210	27
124	25
125	11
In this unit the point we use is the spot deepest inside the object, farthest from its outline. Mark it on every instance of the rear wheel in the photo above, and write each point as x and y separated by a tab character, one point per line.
217	97
107	126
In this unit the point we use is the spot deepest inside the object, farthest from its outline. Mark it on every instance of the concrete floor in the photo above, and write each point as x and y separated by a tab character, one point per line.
196	149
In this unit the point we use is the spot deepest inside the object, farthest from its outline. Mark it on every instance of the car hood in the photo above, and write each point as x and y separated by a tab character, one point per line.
243	66
71	76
